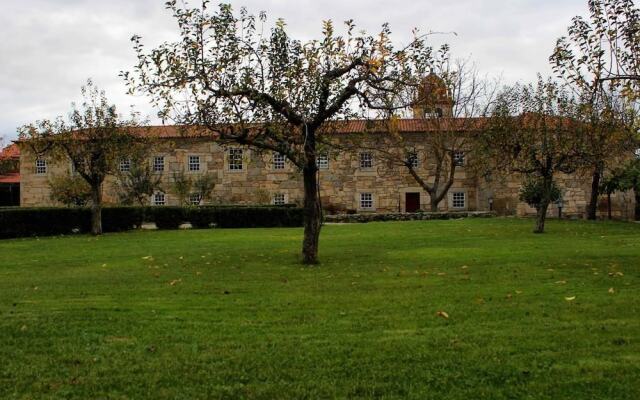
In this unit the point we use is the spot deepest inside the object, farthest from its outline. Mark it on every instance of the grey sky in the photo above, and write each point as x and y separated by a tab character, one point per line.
48	48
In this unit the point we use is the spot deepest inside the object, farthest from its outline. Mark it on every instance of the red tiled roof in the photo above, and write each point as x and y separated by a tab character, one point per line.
339	127
13	177
10	152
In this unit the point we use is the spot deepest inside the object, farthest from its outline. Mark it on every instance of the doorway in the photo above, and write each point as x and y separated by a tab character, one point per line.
412	202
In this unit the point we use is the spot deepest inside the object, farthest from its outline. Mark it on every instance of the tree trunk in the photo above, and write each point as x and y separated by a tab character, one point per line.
541	215
434	203
96	210
312	214
609	206
592	207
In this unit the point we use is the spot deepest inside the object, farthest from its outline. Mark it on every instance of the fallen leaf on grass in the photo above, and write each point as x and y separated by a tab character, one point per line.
442	314
175	282
570	298
612	290
561	283
147	258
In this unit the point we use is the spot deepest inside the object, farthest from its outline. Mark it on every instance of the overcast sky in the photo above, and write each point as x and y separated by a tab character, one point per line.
48	48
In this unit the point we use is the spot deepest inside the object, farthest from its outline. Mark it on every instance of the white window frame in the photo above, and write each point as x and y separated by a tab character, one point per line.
459	158
278	161
41	166
194	163
235	159
366	201
458	200
322	161
159	199
195	199
279	199
158	161
366	161
125	165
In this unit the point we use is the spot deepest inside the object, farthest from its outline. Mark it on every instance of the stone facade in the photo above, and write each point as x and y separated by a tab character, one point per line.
346	187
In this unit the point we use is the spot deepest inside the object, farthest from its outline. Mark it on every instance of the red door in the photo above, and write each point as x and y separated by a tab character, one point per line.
412	202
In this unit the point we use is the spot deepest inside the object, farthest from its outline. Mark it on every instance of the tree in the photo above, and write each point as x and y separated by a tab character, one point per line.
70	190
138	184
532	132
611	183
94	137
203	186
600	57
630	179
273	92
534	192
447	100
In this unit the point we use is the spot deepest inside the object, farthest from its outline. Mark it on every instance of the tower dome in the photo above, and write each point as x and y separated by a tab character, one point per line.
432	98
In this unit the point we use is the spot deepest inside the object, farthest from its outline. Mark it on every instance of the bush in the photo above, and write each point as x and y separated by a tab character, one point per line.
121	219
21	222
532	192
167	217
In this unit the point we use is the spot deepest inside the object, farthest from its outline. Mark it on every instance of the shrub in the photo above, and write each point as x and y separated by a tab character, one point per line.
120	219
23	222
532	192
168	217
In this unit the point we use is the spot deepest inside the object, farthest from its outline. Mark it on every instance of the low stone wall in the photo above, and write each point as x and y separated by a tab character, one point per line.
422	216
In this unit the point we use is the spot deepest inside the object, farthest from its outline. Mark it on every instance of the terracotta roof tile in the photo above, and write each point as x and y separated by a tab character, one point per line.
13	177
12	151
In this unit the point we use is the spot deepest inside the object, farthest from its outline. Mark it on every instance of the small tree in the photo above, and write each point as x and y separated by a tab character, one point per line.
94	137
272	92
204	185
138	184
70	190
532	132
181	185
630	179
611	184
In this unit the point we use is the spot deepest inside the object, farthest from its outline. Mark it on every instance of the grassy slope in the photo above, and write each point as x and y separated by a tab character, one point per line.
228	314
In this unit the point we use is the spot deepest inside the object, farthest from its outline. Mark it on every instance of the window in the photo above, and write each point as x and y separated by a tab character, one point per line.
458	158
366	160
279	199
158	164
41	166
412	159
322	161
459	200
125	165
195	199
235	160
278	161
366	201
159	199
194	163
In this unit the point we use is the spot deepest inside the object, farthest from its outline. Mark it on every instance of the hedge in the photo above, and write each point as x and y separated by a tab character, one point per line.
23	222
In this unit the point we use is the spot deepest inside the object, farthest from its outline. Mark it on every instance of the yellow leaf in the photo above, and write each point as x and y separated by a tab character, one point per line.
612	290
570	298
442	314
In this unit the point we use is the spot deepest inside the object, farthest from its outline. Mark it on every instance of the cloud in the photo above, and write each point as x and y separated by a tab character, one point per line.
50	48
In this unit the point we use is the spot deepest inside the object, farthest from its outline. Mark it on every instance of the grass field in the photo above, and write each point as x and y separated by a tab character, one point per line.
231	313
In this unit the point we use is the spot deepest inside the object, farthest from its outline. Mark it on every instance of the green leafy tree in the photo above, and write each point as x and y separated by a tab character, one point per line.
534	193
138	184
271	91
600	57
532	132
70	190
629	178
94	137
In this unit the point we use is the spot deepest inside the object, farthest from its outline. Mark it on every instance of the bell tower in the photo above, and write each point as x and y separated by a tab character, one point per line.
433	99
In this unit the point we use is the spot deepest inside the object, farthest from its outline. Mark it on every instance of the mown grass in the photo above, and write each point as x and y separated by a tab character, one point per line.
232	314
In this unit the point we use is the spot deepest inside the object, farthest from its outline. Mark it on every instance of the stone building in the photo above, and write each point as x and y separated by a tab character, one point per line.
357	181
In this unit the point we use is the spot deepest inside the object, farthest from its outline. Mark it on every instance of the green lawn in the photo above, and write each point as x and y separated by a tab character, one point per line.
231	313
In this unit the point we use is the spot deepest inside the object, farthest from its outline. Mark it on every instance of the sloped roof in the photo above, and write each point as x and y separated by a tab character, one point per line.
10	152
13	177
